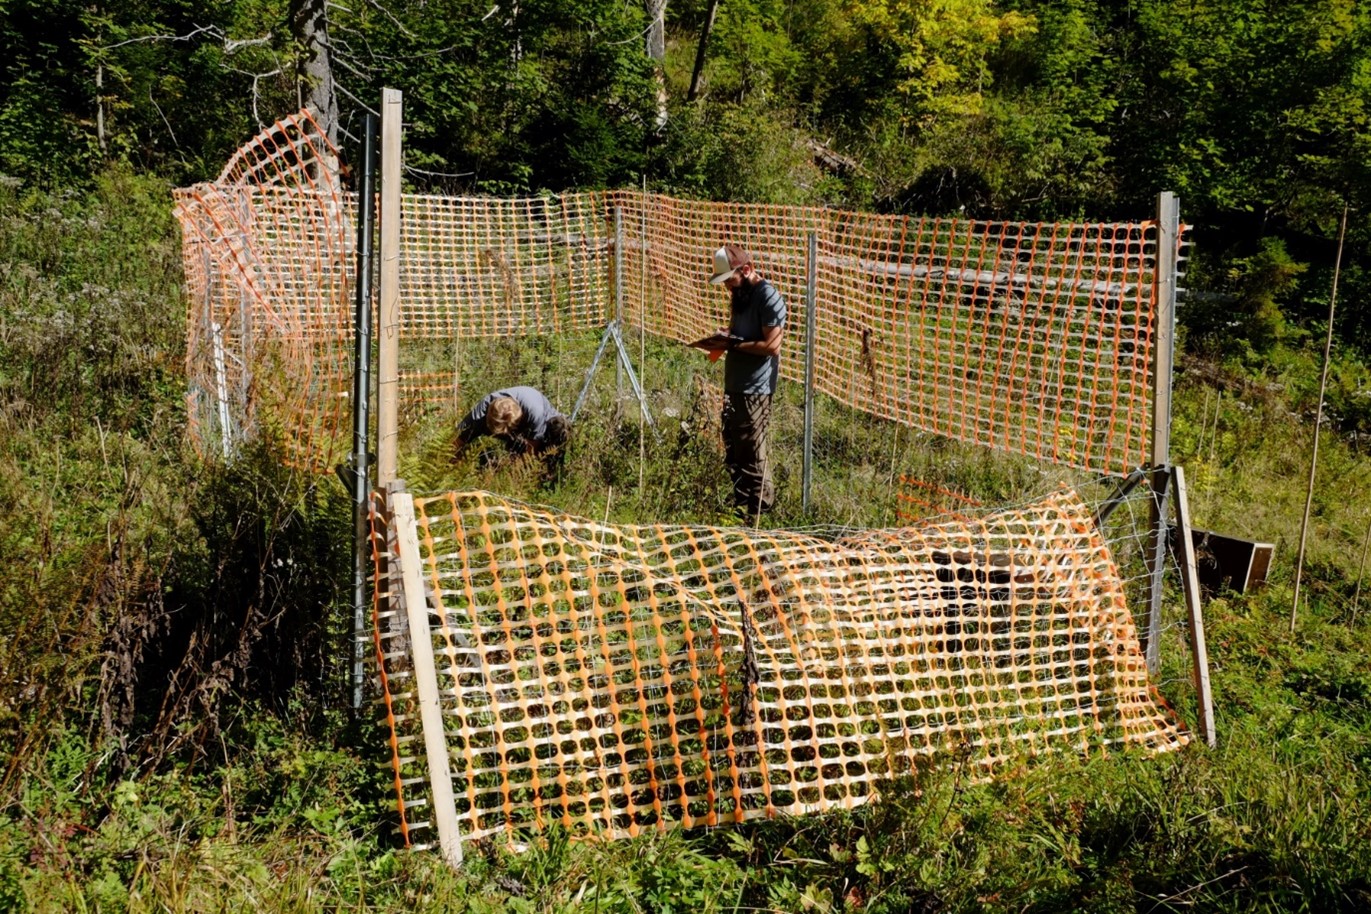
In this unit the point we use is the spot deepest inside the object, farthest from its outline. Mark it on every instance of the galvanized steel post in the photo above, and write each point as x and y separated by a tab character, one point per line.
811	296
618	298
361	399
1163	353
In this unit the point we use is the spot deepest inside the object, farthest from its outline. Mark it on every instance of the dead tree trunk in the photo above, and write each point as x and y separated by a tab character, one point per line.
656	49
696	73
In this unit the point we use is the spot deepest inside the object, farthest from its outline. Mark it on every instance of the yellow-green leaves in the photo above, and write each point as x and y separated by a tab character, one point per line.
941	48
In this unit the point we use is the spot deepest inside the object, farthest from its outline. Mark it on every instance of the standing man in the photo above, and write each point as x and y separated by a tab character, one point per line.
752	363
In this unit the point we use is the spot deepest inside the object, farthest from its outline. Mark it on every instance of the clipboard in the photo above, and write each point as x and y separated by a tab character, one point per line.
716	342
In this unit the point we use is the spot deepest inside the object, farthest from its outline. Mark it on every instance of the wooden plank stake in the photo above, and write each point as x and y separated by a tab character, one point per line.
426	678
388	358
1190	578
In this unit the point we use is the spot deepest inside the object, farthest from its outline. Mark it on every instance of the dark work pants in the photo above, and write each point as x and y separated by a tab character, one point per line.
745	420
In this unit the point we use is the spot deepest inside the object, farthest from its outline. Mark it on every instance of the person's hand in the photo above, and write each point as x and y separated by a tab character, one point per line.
720	341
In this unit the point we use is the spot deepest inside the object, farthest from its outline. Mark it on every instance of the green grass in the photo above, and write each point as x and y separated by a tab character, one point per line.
172	636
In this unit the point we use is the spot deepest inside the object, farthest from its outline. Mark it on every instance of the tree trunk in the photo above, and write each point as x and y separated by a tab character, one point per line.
314	70
700	51
656	49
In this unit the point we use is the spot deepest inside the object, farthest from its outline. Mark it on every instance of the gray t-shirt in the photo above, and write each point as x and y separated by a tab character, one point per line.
754	307
538	411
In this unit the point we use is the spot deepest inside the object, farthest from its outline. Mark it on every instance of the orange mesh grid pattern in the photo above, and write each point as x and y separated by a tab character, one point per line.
620	678
486	267
480	267
1034	338
268	259
918	499
1028	337
394	675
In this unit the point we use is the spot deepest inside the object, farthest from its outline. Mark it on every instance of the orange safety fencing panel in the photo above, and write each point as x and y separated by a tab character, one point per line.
483	267
918	499
268	258
612	679
1033	338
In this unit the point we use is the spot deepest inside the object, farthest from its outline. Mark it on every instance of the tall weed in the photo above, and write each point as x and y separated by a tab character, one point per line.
91	461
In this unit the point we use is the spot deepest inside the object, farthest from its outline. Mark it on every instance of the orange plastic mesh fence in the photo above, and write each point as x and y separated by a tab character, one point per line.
481	267
918	499
1034	338
268	259
619	678
394	672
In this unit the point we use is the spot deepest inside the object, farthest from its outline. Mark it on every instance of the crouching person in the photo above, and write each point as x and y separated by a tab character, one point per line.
523	419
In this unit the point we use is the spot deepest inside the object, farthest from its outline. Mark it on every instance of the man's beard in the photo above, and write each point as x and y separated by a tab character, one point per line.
739	295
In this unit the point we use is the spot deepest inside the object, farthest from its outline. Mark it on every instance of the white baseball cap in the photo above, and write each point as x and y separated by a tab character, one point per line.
727	260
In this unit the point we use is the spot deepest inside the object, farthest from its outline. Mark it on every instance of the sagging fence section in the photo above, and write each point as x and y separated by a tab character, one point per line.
611	679
268	254
1034	338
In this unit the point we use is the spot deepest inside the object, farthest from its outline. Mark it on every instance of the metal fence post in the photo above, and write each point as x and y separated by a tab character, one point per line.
221	390
361	394
618	298
811	296
1168	239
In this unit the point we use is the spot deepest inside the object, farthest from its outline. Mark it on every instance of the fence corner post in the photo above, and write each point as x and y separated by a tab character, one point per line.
1163	359
388	380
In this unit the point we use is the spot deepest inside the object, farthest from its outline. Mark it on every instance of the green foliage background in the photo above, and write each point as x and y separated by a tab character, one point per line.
1257	115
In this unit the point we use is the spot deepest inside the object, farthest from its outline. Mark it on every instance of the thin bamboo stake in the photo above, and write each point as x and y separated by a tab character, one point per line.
890	483
1213	449
1318	421
1356	595
609	500
1204	424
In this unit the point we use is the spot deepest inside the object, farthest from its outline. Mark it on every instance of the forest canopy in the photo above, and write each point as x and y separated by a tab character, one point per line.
1254	113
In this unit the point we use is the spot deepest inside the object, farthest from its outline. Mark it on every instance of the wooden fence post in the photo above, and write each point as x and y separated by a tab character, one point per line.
426	677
